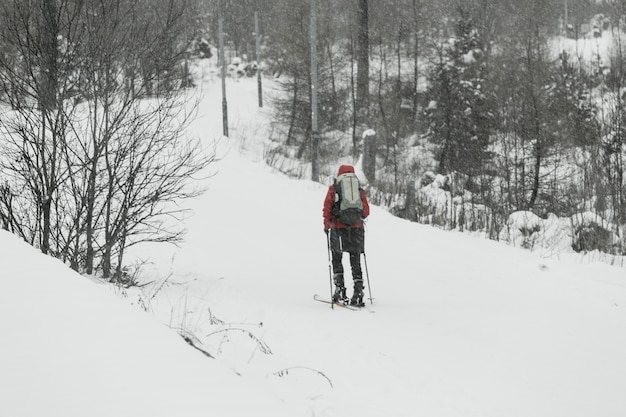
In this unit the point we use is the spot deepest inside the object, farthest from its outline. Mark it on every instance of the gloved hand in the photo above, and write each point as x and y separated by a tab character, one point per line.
326	231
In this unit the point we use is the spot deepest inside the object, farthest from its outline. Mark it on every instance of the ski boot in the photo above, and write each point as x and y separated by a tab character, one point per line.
357	297
340	291
340	297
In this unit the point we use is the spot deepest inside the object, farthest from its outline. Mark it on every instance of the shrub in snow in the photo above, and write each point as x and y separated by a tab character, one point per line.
203	49
591	232
592	237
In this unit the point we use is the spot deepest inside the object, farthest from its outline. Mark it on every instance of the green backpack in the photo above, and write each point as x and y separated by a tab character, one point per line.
348	207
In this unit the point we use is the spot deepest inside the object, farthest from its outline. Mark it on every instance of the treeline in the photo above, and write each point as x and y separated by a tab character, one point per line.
478	92
94	156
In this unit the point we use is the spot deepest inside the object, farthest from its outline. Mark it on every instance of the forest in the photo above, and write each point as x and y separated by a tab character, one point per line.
478	111
471	98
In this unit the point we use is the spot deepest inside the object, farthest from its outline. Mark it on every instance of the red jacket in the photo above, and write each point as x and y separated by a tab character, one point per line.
329	219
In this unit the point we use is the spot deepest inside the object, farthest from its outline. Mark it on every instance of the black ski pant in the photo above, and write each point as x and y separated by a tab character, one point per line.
349	240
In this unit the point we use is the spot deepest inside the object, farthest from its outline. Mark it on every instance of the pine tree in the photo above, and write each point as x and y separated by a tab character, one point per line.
459	112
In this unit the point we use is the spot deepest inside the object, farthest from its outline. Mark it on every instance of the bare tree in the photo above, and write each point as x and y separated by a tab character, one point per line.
35	73
131	138
96	135
148	163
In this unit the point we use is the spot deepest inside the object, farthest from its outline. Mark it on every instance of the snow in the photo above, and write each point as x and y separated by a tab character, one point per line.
590	50
369	132
459	326
73	348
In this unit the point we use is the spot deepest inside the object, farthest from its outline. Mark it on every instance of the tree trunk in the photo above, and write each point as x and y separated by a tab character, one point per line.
45	236
355	120
90	203
362	76
415	61
47	99
536	175
50	52
294	111
369	156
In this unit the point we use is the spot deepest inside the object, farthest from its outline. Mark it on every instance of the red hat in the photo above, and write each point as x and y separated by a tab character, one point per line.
345	169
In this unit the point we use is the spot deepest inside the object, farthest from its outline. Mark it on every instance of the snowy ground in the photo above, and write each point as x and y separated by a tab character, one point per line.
459	326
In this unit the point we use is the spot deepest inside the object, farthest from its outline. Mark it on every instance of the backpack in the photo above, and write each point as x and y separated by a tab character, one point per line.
348	207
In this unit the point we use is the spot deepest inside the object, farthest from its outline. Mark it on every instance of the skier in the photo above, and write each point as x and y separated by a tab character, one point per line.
345	207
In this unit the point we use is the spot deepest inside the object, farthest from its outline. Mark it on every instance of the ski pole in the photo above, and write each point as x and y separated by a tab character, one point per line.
367	274
330	269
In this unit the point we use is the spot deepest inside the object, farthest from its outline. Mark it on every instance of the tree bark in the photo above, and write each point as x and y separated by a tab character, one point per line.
362	76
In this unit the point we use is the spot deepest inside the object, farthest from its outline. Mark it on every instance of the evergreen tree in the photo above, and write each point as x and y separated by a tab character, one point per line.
573	113
459	111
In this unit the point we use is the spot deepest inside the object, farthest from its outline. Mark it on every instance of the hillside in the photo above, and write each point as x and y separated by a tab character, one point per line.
72	348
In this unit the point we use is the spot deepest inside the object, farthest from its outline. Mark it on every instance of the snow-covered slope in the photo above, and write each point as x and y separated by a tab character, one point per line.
70	347
459	326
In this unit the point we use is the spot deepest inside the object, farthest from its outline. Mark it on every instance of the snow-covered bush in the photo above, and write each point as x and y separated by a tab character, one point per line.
591	232
522	229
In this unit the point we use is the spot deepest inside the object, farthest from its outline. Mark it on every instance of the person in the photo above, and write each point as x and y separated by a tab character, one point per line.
345	238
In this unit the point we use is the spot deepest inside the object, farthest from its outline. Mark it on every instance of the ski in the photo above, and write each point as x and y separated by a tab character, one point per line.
319	298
